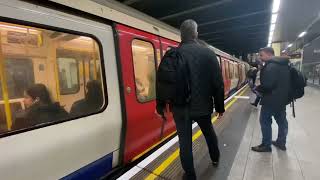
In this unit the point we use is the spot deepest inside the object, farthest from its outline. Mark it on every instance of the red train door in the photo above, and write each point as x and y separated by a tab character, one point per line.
138	52
226	76
169	125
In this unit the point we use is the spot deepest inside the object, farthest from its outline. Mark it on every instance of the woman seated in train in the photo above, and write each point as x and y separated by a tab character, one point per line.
92	102
39	108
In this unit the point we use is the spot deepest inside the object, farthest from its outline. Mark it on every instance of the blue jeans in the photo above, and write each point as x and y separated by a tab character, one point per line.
266	121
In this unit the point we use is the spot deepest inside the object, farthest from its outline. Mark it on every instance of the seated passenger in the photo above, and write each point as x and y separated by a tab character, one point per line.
39	108
91	103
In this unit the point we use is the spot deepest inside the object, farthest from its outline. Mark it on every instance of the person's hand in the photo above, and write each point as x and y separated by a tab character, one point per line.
219	115
157	113
160	109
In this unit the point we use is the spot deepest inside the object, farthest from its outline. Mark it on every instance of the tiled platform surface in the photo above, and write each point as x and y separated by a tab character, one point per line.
301	161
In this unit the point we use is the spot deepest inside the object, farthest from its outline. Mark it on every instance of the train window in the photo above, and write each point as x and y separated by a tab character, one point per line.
231	70
226	69
68	76
94	70
144	70
236	70
158	57
43	78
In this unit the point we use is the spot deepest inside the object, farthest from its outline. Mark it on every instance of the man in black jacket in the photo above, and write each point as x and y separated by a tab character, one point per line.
206	86
275	84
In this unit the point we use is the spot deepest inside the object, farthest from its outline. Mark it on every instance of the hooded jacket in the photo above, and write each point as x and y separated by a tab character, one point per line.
39	114
275	83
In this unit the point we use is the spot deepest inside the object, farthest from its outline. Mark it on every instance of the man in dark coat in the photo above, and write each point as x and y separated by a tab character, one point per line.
275	84
206	85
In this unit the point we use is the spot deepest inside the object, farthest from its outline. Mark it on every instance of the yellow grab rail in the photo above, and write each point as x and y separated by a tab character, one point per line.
94	60
5	95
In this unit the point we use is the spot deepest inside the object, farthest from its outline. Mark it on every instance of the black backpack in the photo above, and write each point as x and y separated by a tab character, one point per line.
173	85
297	84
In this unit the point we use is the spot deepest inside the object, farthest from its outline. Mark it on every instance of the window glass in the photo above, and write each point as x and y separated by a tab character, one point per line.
144	70
94	69
158	57
236	70
227	69
68	76
230	70
43	76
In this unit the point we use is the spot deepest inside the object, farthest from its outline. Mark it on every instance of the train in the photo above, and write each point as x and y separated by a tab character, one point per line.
64	45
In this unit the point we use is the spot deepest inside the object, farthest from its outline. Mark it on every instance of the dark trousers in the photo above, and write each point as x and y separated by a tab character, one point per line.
266	121
184	130
257	100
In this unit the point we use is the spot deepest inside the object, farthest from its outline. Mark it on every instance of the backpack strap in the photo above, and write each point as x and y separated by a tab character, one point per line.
293	110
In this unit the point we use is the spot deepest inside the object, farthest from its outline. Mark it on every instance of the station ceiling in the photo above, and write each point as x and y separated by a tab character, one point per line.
235	26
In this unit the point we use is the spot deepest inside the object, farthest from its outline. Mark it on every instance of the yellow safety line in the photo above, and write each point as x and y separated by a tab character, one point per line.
165	164
5	93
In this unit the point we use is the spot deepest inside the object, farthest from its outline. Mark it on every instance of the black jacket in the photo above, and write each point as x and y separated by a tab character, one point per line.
83	107
206	81
275	83
39	114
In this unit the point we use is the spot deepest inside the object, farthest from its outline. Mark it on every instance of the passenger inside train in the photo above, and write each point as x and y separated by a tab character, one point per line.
39	108
92	101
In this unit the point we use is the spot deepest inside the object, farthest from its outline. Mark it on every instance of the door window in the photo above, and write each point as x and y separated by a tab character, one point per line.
144	70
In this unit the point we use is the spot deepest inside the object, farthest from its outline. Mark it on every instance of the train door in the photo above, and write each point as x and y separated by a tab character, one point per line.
236	74
225	67
138	65
169	126
234	80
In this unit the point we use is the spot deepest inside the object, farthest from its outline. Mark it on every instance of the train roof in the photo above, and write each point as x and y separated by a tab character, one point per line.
120	13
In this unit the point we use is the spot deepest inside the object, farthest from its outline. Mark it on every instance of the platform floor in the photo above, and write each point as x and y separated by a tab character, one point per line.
301	161
237	132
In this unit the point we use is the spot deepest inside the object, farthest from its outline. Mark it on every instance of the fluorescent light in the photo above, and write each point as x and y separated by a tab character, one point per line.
18	29
284	51
302	34
274	18
271	34
139	47
272	27
290	45
275	6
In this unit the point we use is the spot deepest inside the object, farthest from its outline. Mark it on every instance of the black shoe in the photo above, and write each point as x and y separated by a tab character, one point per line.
215	163
261	148
215	159
280	146
253	104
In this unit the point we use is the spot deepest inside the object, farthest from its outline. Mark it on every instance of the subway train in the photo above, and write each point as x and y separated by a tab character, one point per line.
65	45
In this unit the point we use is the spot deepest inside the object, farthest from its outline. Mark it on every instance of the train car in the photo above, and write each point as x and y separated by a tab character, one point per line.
66	45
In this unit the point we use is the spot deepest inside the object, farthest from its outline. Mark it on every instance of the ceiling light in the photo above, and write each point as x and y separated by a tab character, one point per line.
302	34
275	6
290	45
274	18
284	51
271	34
272	27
